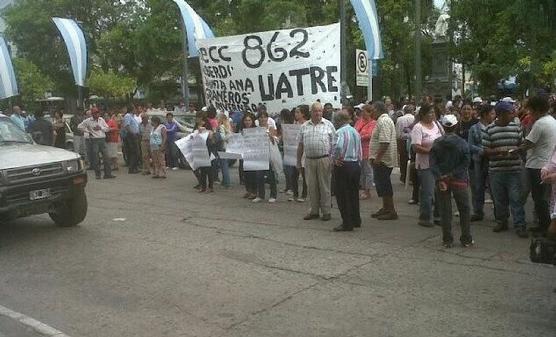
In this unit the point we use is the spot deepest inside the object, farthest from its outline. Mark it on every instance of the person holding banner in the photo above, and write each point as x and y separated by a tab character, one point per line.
302	115
347	170
263	121
316	140
250	177
224	133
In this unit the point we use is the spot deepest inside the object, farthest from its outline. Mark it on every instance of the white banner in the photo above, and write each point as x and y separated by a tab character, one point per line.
194	149
280	69
290	137
256	150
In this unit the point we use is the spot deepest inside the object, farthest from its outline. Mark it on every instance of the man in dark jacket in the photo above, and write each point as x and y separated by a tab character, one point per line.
449	161
42	130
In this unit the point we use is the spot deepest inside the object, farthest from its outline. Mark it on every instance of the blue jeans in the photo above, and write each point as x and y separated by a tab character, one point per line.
224	165
426	194
506	189
479	177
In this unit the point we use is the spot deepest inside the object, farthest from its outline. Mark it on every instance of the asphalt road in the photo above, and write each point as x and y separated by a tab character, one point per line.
156	258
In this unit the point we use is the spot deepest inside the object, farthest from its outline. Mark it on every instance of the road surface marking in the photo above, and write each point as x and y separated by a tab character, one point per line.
32	323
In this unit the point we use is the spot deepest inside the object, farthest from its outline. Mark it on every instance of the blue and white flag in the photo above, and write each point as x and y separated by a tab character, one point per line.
365	10
8	84
195	26
77	48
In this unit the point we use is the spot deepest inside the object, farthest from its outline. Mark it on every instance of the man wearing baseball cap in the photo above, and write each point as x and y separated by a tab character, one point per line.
501	140
449	162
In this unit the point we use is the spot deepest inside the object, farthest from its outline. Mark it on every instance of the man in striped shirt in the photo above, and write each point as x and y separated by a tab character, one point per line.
501	140
347	155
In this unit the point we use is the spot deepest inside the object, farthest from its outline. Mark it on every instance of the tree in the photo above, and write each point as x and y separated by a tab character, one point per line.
32	82
110	84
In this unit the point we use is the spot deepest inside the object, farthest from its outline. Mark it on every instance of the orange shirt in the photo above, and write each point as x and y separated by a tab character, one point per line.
114	135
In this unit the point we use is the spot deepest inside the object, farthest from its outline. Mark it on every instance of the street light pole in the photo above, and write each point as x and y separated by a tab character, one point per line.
418	72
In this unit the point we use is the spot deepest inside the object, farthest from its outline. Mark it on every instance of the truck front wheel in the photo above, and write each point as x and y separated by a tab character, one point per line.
72	211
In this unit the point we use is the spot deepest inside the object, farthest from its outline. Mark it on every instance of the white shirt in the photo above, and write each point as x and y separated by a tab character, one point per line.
271	123
317	139
88	125
543	135
402	123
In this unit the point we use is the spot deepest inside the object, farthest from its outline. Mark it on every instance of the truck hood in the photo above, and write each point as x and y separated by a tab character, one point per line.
22	155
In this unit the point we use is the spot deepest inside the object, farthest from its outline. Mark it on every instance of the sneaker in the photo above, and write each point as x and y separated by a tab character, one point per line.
388	215
488	201
272	200
300	200
412	202
447	244
291	199
468	244
256	200
175	168
379	213
522	233
289	192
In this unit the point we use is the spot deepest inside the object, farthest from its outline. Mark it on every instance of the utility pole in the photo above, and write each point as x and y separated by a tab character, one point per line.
184	81
418	70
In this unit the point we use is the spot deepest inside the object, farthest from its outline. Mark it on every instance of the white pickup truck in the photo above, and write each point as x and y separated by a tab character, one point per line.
37	179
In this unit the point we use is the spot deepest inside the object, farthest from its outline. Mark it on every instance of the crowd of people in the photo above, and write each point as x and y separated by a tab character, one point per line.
457	150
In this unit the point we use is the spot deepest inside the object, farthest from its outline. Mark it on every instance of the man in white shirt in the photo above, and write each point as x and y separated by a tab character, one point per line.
539	143
95	127
316	141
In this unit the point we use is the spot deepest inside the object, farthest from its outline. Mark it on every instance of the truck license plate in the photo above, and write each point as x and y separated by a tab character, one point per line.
39	194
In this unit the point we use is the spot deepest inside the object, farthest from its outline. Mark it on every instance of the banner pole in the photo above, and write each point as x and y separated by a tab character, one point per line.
184	81
370	86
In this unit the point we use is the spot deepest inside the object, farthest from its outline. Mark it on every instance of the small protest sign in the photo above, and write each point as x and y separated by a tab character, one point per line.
256	150
290	137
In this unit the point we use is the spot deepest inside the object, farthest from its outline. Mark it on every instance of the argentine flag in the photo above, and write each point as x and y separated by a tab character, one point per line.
8	84
77	49
365	10
195	27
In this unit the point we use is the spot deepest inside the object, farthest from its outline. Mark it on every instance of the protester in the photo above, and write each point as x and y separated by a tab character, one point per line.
206	174
224	133
286	117
479	174
158	140
59	126
131	128
145	129
449	162
96	129
384	158
113	140
467	120
41	130
316	140
302	115
423	136
347	157
172	129
365	126
78	139
17	117
500	141
539	144
250	177
548	176
262	176
403	134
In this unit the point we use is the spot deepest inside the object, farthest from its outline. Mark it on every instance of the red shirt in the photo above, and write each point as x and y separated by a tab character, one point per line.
114	135
365	130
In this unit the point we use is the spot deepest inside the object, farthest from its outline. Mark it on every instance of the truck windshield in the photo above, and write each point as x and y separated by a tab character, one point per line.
11	133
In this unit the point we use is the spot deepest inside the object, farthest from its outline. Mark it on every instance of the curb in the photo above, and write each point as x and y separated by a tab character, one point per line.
31	323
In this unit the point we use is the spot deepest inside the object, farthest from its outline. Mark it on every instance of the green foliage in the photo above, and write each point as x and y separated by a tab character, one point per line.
500	38
33	83
110	85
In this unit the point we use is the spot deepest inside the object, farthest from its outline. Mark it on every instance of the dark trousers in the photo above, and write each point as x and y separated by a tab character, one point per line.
479	180
383	184
250	178
207	173
171	154
98	146
132	147
295	183
461	196
89	151
347	192
415	179
261	182
404	157
541	198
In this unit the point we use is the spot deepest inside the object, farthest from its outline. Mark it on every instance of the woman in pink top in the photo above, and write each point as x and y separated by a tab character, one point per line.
423	135
365	126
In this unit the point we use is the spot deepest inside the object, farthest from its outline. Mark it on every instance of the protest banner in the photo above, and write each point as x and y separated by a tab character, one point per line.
194	149
256	149
283	68
290	137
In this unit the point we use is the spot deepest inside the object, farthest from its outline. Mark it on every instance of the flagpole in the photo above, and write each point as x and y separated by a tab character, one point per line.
370	86
80	103
184	81
343	66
